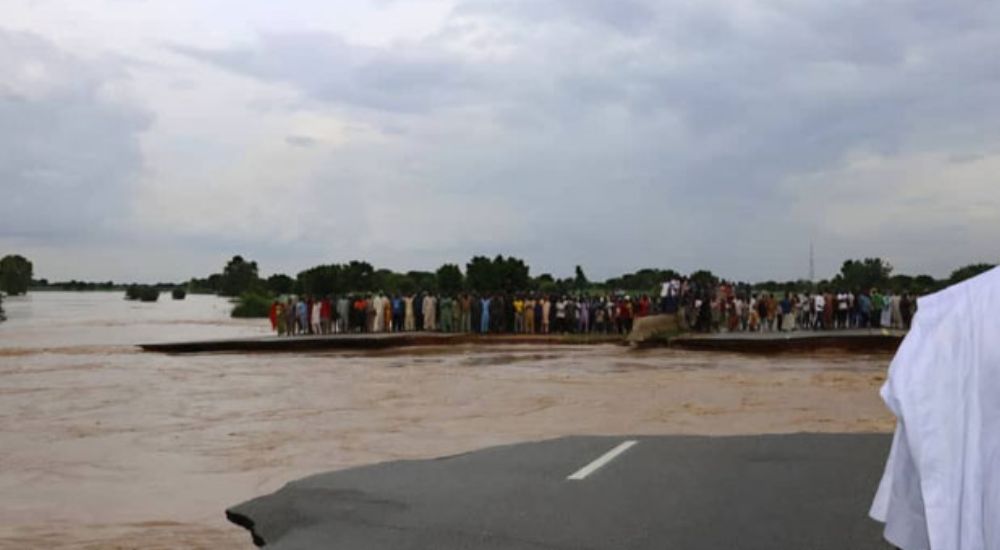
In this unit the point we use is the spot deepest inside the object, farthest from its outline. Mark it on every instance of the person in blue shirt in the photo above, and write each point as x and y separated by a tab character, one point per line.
398	311
302	309
786	322
484	320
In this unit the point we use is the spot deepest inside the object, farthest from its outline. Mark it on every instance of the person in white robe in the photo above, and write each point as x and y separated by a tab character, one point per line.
378	309
887	311
409	317
941	486
430	312
314	322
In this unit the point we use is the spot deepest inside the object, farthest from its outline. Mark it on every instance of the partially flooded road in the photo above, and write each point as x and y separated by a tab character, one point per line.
107	447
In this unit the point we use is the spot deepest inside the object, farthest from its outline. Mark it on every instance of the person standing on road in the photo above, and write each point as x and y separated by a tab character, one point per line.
819	305
279	318
303	313
466	309
484	315
787	315
398	313
446	318
430	312
529	315
456	314
560	322
409	318
878	302
316	317
325	314
272	315
583	316
379	322
906	310
518	315
864	310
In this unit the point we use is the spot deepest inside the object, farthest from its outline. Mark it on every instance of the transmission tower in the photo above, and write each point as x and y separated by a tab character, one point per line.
812	264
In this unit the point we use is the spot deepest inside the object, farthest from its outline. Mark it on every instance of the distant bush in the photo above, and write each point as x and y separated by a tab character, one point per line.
250	305
144	293
15	274
178	293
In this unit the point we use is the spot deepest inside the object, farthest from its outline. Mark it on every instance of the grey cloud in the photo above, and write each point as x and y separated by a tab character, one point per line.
686	111
329	69
610	133
620	15
68	156
301	141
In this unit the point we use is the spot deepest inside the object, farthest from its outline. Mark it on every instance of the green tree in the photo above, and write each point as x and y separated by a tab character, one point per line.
865	274
901	283
238	277
643	280
704	278
499	274
449	279
320	280
580	281
15	274
359	277
924	284
421	280
968	272
480	275
513	273
279	284
544	283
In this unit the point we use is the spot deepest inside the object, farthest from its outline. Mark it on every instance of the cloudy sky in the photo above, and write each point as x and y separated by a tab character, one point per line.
145	140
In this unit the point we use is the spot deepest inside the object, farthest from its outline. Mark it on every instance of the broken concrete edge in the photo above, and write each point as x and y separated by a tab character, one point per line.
246	523
845	343
239	514
362	342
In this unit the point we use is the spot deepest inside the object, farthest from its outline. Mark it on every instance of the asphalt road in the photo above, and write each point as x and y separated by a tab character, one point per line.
801	491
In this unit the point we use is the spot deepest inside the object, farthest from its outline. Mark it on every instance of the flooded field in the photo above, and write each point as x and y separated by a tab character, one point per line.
104	446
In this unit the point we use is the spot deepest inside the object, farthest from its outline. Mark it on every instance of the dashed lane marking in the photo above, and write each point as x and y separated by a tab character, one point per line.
604	459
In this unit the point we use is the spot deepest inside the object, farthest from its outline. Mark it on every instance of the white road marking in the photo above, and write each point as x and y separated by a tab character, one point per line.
602	461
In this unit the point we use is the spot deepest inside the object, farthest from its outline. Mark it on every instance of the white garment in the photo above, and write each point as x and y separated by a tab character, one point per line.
377	322
887	312
941	487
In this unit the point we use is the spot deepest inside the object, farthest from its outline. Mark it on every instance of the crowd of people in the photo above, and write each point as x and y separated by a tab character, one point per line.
527	313
707	308
737	308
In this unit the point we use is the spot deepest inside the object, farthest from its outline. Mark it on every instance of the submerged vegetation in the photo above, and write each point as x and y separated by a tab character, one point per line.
15	274
251	305
143	293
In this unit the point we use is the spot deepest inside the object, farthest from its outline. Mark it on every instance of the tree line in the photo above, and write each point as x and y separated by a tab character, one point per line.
511	275
482	274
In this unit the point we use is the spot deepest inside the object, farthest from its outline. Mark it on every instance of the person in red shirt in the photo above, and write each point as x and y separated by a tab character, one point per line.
325	311
361	314
273	315
644	306
625	315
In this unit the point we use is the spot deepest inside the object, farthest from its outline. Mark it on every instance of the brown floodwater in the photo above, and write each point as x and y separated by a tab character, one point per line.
104	446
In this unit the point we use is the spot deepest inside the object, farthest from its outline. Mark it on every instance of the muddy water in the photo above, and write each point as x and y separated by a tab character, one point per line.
107	447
